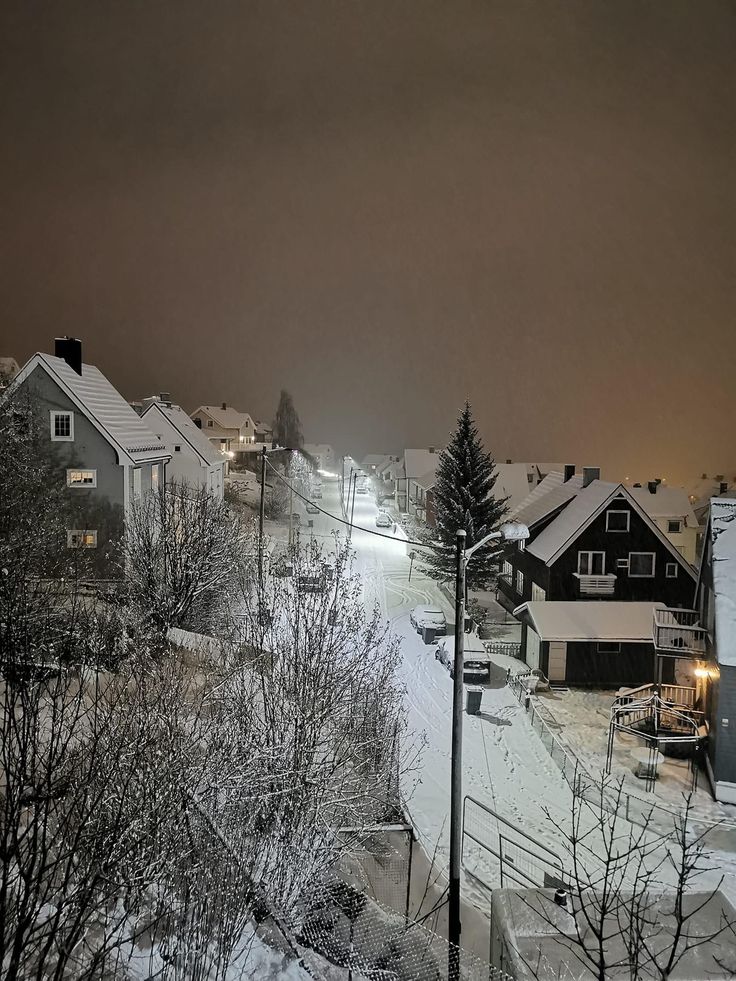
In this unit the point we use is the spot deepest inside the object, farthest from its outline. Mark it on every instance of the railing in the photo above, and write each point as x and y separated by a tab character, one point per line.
678	631
507	648
596	585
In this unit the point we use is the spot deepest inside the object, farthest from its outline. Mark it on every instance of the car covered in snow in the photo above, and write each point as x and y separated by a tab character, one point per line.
428	617
476	660
383	520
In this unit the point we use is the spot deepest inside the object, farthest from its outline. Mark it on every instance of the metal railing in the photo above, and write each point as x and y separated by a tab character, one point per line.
678	631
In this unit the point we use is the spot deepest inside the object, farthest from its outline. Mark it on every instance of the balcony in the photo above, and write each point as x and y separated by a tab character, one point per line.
596	585
679	632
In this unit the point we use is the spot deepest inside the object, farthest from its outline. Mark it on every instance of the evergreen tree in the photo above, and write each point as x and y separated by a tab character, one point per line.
463	491
287	427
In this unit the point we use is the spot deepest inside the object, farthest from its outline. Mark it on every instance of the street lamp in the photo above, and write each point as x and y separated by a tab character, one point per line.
511	532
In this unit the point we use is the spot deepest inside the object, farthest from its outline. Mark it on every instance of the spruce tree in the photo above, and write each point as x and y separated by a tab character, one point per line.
287	427
463	491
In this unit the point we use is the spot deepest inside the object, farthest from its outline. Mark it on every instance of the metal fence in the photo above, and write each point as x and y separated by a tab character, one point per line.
660	818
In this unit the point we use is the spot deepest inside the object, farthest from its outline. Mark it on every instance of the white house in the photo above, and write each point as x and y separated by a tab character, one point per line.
322	453
194	459
227	429
673	513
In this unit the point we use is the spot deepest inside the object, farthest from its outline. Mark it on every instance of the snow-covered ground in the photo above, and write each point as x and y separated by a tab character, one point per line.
505	764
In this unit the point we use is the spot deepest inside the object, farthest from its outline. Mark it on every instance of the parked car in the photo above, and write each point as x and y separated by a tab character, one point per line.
432	617
476	660
317	493
312	509
383	520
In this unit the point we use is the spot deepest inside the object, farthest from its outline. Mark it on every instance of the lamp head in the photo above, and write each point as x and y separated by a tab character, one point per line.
514	531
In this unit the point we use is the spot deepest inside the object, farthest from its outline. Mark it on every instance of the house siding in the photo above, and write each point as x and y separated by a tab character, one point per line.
723	737
634	665
99	508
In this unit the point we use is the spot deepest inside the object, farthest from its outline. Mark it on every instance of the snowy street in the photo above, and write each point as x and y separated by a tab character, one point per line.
505	764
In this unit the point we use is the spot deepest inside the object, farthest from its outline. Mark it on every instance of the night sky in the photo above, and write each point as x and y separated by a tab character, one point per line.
386	207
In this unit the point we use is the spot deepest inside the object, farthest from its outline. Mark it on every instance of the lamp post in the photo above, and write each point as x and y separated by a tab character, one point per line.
512	531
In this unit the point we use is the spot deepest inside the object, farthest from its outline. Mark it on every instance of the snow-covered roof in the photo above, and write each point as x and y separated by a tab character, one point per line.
550	494
512	481
189	432
591	620
666	502
582	507
723	557
373	459
427	480
227	418
103	405
419	462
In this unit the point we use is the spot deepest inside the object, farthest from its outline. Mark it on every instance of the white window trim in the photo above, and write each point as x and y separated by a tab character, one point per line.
619	531
668	567
674	521
622	563
77	486
136	484
645	575
614	644
519	582
53	414
595	551
80	531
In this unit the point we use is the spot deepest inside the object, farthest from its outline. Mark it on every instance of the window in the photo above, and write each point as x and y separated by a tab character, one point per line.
670	570
155	476
641	565
622	563
81	539
198	422
81	478
617	520
209	424
522	544
177	449
538	594
609	647
591	563
674	526
508	571
62	427
520	583
135	484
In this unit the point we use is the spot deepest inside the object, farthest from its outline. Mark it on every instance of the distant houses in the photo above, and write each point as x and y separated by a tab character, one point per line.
194	459
322	454
228	429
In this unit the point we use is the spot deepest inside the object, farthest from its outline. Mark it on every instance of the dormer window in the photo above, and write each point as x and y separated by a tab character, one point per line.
674	526
62	427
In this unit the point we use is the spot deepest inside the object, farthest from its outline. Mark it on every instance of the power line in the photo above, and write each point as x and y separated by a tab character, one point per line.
342	521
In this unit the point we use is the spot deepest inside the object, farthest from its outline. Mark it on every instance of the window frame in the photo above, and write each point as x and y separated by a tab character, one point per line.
136	484
80	485
55	414
80	533
671	565
594	551
674	521
644	575
619	531
519	582
614	647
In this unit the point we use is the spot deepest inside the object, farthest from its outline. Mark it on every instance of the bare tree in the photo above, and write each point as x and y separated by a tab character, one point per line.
184	553
634	908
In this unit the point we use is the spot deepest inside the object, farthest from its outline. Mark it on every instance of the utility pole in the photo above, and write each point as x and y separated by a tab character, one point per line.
291	502
261	514
353	482
456	773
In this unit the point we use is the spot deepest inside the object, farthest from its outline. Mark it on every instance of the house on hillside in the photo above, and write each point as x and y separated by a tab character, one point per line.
108	456
322	453
229	430
716	612
672	511
194	460
414	478
511	483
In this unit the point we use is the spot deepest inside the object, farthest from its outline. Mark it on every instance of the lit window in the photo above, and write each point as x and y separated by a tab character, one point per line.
62	427
81	478
81	539
617	520
155	476
641	565
135	482
674	527
508	571
670	570
609	647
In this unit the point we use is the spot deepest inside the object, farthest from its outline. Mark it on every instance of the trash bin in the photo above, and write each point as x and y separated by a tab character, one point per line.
428	635
475	696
